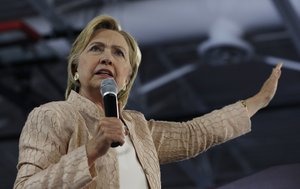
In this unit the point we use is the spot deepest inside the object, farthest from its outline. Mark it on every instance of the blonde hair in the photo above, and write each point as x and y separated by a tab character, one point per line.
98	23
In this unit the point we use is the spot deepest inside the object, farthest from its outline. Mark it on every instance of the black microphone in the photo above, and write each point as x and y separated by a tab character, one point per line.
109	91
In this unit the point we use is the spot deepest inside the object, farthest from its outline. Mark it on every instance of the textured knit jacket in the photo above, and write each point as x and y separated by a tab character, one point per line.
52	151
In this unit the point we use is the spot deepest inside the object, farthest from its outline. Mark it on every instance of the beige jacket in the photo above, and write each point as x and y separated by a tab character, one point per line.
52	150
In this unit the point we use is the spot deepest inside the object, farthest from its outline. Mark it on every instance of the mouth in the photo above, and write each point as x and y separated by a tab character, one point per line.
104	73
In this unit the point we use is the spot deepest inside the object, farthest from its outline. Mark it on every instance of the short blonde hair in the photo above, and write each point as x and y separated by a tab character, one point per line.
98	23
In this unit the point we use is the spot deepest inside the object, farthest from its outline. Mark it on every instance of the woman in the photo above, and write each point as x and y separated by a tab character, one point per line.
66	144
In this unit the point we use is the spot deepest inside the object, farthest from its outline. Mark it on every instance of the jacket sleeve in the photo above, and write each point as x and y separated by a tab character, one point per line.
43	162
177	141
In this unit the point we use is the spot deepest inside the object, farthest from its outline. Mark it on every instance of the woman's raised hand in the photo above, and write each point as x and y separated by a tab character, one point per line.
266	93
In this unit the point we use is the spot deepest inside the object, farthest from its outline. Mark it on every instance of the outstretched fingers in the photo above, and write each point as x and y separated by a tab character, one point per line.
269	88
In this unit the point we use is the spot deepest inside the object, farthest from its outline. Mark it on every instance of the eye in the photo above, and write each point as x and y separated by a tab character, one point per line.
96	48
119	52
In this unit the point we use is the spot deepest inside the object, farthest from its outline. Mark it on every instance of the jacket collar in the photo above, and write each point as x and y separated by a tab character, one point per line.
90	110
84	105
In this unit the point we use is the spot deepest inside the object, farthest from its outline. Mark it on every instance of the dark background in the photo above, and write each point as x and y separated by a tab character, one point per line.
198	55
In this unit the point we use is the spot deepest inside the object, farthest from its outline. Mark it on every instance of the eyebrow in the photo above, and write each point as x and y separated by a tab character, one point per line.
102	44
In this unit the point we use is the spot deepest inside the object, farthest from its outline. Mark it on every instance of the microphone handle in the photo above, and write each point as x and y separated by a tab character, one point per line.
111	110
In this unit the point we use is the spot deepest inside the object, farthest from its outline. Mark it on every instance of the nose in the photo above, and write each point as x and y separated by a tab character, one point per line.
106	61
106	57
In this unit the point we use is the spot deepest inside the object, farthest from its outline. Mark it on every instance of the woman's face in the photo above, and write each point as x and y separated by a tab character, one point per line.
106	56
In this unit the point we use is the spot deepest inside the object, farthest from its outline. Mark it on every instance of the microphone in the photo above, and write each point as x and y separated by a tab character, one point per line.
109	91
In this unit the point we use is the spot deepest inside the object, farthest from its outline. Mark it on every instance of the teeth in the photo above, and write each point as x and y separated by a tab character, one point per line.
104	72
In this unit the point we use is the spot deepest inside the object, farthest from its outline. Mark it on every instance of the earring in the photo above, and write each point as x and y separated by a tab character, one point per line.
76	76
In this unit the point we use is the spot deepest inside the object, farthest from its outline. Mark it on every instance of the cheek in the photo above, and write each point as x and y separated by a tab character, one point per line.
80	63
124	75
84	66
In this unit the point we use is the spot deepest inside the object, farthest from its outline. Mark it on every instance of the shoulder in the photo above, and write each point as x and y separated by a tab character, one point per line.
55	107
133	114
51	114
53	119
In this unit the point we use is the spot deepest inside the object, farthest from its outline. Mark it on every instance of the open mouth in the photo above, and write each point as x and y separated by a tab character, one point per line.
104	73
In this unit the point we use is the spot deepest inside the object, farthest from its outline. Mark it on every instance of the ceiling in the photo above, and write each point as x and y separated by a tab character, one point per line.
198	55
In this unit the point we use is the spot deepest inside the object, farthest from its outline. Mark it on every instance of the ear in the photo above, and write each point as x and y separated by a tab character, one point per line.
129	78
76	76
124	87
127	81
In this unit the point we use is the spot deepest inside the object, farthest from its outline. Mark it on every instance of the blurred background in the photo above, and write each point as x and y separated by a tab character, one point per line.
198	55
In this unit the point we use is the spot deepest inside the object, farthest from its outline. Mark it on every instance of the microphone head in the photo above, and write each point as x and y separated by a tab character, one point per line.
108	86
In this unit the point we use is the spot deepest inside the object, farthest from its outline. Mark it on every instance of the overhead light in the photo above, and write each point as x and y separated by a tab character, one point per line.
225	44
